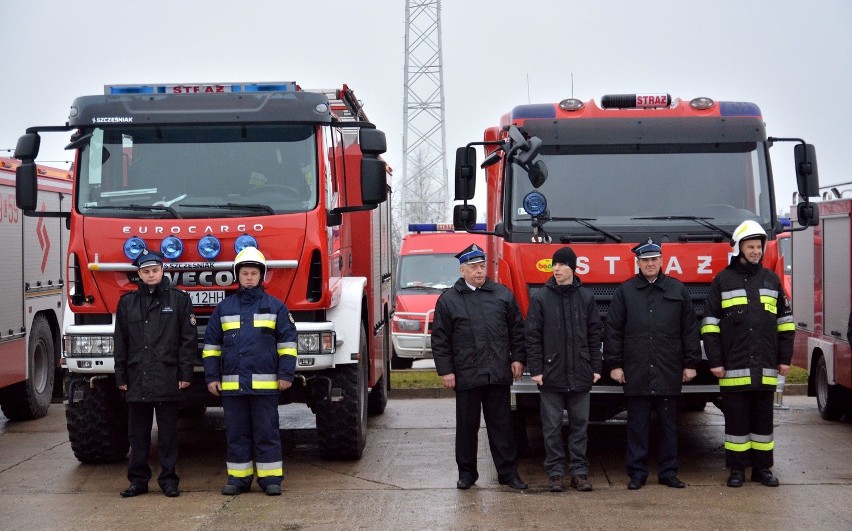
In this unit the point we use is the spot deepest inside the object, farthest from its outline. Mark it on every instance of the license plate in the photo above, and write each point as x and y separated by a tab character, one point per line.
206	298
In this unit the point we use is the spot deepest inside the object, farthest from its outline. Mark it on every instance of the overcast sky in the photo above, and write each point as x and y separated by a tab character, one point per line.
792	58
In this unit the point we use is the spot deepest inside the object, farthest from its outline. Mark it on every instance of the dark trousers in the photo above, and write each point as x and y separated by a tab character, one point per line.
251	429
577	405
639	410
140	416
748	429
492	401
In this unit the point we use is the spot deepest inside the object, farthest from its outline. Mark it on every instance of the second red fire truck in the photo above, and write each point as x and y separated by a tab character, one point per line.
198	172
603	177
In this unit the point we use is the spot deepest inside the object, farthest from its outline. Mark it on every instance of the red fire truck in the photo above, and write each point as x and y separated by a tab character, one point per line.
33	292
427	266
822	298
198	172
602	178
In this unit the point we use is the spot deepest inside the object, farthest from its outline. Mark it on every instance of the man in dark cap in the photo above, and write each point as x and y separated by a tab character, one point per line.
155	345
478	347
563	330
653	347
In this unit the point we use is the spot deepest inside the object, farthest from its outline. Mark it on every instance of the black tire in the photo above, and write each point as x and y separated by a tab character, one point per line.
97	425
398	363
829	397
378	399
342	425
30	399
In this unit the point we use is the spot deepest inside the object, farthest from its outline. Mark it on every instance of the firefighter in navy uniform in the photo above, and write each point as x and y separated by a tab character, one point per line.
249	357
155	345
748	334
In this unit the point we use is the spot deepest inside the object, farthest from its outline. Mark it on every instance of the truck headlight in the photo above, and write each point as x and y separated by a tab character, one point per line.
409	324
88	346
316	343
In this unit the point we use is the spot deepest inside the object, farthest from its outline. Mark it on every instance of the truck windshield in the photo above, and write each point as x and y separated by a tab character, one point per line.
616	186
199	171
428	271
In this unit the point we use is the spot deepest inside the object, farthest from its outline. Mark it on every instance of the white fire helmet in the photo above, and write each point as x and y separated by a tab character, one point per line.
748	230
250	256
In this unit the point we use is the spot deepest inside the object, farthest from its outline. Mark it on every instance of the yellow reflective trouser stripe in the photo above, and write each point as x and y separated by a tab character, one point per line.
265	470
211	350
711	329
240	470
735	301
763	446
737	447
231	382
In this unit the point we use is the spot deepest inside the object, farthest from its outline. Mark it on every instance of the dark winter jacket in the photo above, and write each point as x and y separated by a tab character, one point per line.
563	330
652	333
250	344
155	343
747	328
477	334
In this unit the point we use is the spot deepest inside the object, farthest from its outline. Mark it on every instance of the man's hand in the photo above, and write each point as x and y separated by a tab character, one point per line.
539	379
214	388
183	385
617	375
449	380
596	377
688	374
123	387
783	370
517	370
283	385
718	372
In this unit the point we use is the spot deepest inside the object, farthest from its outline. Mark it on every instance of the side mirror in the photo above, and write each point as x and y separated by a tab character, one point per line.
807	214
465	173
26	185
372	142
464	217
27	147
374	188
807	177
537	173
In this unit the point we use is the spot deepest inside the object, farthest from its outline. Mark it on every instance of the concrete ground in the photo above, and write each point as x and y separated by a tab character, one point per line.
406	480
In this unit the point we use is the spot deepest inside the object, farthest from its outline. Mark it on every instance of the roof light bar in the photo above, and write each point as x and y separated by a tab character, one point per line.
438	227
636	101
201	88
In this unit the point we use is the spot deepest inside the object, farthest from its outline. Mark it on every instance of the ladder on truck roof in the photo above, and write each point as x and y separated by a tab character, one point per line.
343	103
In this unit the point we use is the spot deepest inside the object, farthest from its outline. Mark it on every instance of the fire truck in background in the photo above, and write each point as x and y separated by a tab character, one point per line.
603	178
33	292
200	171
822	299
427	266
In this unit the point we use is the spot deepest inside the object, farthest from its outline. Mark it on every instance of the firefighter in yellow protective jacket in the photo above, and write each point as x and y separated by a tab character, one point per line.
249	356
748	337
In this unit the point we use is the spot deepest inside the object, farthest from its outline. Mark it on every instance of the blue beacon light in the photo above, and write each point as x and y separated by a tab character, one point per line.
535	203
134	246
172	247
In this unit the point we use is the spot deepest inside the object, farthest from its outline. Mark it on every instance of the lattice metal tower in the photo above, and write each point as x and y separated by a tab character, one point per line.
423	194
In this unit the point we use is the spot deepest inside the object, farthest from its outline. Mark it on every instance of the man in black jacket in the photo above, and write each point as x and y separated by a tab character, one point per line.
748	333
155	345
478	347
564	356
652	345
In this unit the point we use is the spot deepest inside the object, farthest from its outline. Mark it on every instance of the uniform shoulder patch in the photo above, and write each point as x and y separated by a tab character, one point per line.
192	319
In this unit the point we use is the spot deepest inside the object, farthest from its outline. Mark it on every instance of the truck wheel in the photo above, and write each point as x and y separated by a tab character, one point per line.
97	425
342	425
378	399
401	363
30	399
829	397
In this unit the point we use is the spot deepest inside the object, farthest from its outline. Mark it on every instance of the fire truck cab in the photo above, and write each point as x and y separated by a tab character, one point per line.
604	177
427	267
198	172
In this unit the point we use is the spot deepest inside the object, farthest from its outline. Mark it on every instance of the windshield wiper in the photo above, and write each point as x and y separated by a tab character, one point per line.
585	222
424	288
701	221
144	208
235	206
